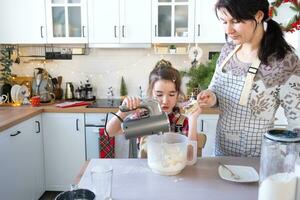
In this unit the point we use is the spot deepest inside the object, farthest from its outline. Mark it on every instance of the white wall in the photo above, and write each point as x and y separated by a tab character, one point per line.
104	68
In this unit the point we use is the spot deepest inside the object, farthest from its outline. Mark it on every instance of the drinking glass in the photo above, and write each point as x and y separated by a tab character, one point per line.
101	177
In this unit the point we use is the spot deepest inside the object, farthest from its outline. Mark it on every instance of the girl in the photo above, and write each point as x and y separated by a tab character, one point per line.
164	86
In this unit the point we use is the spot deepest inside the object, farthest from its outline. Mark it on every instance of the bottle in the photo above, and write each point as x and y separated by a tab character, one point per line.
77	94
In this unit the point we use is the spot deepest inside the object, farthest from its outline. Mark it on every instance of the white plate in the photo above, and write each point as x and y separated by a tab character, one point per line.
246	173
22	93
14	91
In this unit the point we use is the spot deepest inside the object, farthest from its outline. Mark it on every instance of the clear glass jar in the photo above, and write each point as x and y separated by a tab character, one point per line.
280	149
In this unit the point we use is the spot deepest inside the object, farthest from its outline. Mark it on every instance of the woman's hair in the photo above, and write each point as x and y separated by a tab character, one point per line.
273	42
163	70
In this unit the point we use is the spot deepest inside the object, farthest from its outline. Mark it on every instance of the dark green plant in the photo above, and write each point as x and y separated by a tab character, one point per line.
6	63
200	76
123	89
172	46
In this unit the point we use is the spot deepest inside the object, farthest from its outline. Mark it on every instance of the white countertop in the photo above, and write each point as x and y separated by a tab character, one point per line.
134	180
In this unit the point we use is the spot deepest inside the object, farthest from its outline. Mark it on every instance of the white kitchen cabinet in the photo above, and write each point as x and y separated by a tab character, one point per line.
64	148
22	22
118	23
173	21
208	124
21	157
38	157
208	29
66	21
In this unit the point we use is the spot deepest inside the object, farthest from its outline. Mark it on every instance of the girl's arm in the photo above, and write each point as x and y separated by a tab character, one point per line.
113	126
192	133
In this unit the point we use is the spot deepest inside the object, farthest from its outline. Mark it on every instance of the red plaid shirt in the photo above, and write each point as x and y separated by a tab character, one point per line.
176	126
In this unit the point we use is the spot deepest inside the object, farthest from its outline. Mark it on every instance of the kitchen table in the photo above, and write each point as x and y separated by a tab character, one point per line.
134	180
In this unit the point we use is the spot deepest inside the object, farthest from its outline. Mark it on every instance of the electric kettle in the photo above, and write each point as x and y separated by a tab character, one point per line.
42	85
69	91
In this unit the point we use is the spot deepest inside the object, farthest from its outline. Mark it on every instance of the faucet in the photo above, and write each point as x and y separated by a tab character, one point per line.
140	92
110	93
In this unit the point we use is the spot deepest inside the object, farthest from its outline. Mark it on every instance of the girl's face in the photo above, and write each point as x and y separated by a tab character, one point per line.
239	32
164	91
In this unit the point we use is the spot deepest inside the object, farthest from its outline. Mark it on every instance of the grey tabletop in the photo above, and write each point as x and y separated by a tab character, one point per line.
134	180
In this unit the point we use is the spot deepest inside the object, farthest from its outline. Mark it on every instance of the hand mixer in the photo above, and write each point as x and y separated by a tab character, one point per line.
156	121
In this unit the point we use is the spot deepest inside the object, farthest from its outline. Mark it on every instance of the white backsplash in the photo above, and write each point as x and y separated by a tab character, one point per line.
105	67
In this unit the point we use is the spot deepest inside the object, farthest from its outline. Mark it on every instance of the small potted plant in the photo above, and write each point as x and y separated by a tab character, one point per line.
172	49
123	89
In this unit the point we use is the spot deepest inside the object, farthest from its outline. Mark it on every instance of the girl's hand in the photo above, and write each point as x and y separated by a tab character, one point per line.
131	103
206	98
194	114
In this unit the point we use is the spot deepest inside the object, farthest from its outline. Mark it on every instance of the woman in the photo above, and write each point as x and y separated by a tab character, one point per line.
164	86
257	72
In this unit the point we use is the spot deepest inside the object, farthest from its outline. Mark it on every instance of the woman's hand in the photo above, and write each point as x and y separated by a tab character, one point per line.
206	98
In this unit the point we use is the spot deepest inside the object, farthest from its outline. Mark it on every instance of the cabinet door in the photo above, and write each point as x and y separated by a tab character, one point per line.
173	21
135	21
17	167
208	125
64	148
38	157
103	17
19	24
207	31
66	21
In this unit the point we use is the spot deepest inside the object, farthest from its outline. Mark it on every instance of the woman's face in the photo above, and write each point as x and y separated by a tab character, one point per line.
239	32
164	91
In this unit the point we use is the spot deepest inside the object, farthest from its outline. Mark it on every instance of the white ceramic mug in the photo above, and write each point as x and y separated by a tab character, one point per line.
3	98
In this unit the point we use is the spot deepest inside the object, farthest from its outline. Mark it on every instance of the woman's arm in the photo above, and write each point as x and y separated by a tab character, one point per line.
289	94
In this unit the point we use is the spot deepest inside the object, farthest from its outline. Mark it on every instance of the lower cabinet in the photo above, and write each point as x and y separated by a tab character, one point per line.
64	148
207	124
22	163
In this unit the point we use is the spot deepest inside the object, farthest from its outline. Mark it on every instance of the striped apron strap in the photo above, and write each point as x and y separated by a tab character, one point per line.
249	77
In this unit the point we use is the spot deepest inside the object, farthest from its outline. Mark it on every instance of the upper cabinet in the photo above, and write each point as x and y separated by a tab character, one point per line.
173	21
22	22
66	21
208	29
119	22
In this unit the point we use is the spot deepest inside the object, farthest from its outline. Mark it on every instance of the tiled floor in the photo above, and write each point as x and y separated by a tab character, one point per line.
49	195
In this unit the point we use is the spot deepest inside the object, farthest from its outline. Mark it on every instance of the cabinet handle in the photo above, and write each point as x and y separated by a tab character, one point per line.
198	29
15	134
77	127
115	31
155	30
202	125
39	126
42	36
123	34
83	29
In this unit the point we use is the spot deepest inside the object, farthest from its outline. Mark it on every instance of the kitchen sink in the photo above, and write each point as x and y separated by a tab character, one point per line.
105	103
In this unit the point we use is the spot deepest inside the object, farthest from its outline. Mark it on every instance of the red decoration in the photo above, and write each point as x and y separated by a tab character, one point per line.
294	23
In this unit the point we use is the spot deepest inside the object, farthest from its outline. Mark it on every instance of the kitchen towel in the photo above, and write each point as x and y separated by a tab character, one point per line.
69	104
107	145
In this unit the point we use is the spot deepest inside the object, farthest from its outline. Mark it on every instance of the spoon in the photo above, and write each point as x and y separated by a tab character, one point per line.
233	175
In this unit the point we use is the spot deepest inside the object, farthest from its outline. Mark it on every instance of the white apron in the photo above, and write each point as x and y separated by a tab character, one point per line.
239	132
